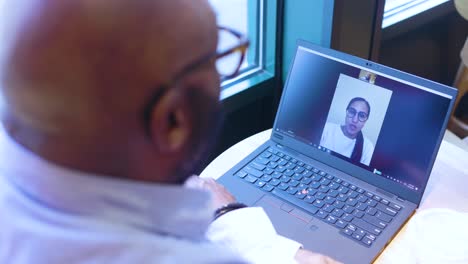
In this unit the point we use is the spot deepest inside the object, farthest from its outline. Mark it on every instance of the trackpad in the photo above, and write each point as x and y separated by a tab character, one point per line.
285	218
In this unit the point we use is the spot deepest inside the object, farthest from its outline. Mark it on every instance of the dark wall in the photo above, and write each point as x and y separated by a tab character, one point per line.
427	45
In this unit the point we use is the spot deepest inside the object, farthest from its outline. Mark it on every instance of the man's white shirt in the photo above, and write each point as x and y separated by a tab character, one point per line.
51	214
334	139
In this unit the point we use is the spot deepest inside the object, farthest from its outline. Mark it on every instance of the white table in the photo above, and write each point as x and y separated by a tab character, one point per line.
447	186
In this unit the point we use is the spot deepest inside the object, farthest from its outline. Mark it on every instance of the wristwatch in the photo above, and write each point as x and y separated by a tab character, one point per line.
227	208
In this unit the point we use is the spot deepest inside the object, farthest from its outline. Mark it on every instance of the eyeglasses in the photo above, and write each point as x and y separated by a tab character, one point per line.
351	113
229	57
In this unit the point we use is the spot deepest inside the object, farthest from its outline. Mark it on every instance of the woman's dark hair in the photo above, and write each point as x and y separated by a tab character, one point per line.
357	151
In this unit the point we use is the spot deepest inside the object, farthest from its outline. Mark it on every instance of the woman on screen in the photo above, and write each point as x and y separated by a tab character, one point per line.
348	139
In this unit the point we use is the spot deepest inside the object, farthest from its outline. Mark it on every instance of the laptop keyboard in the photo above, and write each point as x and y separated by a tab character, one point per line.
358	214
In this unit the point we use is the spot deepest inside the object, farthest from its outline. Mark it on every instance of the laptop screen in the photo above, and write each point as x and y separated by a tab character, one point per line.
383	124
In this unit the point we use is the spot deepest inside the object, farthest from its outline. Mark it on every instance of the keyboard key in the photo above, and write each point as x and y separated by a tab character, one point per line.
253	171
266	154
353	187
338	180
324	182
395	206
285	179
385	202
293	183
292	190
316	177
361	207
370	195
268	171
274	158
308	167
279	169
339	204
348	209
286	157
268	188
343	190
297	177
386	209
262	160
241	174
374	221
334	185
338	212
366	226
307	173
283	186
360	190
347	232
266	178
358	214
299	170
377	198
351	227
356	236
353	194
367	241
342	197
318	203
306	181
333	193
371	237
289	173
348	217
322	173
351	202
371	211
345	184
315	170
301	164
272	150
276	175
310	199
340	223
280	154
361	232
315	185
320	196
250	178
282	162
328	208
260	184
371	202
300	195
272	165
323	189
383	217
275	182
329	200
362	198
321	214
331	219
294	160
311	191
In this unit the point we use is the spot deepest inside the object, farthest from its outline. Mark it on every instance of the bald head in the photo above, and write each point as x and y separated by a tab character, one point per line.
66	60
82	70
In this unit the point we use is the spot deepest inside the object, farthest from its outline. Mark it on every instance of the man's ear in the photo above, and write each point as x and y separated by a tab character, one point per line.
170	123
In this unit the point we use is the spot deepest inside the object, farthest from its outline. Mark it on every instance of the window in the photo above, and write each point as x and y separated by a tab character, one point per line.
257	20
399	10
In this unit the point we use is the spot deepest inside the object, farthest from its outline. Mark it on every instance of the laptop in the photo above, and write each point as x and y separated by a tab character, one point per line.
350	154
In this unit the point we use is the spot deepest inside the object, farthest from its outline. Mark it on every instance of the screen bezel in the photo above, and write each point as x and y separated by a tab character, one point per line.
351	169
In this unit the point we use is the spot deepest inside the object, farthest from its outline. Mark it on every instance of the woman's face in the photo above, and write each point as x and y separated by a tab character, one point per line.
356	117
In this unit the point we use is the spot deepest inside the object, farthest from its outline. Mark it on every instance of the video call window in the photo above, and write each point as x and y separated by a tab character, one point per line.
355	117
371	120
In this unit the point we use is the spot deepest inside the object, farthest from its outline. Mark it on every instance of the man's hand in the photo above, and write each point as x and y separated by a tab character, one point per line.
220	195
306	257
